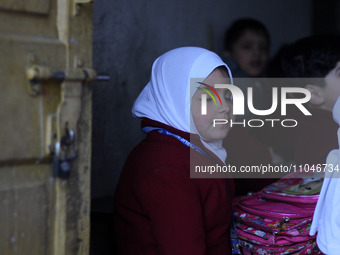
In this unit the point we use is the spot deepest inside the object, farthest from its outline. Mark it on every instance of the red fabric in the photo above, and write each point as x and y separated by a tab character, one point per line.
159	209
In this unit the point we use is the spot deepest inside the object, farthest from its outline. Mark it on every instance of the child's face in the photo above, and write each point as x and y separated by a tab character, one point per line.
332	89
251	51
204	123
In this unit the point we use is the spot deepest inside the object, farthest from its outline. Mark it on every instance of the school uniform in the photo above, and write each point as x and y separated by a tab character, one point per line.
159	209
160	206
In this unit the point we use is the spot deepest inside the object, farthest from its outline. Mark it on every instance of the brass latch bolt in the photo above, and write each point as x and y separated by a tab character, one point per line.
37	74
41	73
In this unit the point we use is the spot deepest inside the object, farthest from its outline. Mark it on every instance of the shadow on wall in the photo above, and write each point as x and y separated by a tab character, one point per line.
102	234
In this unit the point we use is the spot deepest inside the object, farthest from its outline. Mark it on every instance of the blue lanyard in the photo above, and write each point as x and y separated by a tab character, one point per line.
233	232
179	138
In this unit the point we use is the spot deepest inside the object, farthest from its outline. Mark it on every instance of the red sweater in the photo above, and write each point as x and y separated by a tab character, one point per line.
159	209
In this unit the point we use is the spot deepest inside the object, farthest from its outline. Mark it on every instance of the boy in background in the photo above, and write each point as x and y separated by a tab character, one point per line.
247	42
246	52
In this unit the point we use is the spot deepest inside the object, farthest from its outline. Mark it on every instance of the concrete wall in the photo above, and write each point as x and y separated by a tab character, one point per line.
130	34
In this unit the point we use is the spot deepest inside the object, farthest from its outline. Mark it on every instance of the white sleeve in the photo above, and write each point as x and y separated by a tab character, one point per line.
326	220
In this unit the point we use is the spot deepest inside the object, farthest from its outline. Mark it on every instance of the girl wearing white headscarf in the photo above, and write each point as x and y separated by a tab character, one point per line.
159	208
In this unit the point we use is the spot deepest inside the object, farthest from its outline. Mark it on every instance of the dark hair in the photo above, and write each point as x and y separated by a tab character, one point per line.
239	27
311	57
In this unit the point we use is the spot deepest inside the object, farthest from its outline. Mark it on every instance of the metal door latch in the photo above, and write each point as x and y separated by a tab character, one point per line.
37	74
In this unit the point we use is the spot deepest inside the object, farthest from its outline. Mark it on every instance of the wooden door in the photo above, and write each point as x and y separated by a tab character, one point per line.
45	126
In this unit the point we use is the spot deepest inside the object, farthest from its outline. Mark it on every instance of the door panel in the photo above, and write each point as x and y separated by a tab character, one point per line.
32	6
45	100
24	139
30	17
25	210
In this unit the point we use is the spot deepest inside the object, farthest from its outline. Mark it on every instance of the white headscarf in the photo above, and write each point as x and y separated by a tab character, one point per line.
167	96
